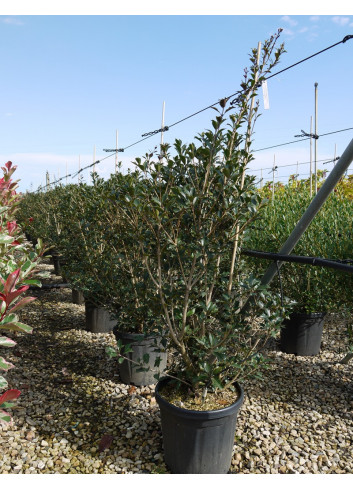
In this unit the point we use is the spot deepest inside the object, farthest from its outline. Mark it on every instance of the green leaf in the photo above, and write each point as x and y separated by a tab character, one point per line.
111	352
32	282
7	405
5	418
146	358
217	384
6	239
3	382
7	342
5	365
17	326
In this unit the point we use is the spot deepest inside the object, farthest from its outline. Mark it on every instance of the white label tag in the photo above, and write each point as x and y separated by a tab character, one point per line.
265	95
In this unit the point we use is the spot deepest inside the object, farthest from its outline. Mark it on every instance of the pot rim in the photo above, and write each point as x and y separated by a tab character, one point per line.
308	314
210	414
135	336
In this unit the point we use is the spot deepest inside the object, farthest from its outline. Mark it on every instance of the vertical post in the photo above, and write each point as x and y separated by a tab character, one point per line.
162	132
334	157
316	84
273	177
47	180
116	152
311	156
296	184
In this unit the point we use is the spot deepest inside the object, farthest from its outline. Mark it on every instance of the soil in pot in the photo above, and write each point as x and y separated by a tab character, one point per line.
301	334
141	345
198	442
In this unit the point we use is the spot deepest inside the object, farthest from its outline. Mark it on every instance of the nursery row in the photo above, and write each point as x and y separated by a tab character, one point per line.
160	251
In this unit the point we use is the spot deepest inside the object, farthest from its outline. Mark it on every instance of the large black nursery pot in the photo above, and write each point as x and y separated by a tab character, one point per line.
198	442
98	319
301	334
141	345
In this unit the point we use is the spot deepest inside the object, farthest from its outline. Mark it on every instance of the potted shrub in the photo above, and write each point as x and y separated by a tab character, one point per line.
316	291
196	208
130	294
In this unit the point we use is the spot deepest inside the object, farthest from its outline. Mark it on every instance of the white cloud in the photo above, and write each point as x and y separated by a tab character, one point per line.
314	18
289	20
287	32
340	20
12	21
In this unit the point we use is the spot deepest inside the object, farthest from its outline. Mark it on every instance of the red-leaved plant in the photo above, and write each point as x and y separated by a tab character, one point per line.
18	261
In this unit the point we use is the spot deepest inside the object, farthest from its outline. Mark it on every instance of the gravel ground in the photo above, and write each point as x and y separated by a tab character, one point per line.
74	416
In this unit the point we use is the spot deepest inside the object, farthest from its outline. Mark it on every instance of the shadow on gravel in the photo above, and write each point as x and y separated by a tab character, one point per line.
322	385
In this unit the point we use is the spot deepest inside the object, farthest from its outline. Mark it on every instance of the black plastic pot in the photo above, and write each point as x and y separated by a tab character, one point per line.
198	442
301	334
141	345
58	262
98	319
77	297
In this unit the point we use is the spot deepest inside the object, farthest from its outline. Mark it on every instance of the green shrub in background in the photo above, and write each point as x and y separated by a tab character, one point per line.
329	236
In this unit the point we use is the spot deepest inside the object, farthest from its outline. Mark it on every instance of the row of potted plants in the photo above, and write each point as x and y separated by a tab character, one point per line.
160	249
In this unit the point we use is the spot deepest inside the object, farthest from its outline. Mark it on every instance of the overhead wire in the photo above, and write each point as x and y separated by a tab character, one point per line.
238	93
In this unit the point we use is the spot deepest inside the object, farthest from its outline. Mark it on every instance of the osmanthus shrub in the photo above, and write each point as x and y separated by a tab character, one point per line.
18	261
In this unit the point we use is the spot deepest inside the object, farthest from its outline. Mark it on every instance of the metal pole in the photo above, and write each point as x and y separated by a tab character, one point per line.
273	177
329	184
316	84
311	156
334	158
162	126
116	153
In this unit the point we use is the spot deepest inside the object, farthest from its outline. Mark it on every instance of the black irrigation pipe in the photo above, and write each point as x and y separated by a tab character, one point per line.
308	260
50	286
239	93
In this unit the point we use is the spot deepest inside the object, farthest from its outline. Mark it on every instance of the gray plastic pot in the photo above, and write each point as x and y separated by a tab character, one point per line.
77	297
98	319
301	334
198	442
141	345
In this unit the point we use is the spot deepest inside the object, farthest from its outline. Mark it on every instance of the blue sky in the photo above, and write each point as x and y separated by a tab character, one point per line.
70	81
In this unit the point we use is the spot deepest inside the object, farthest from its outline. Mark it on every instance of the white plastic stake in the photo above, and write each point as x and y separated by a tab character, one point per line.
116	152
265	95
162	127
